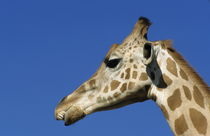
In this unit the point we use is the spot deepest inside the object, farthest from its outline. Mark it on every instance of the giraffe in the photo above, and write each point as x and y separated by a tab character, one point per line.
138	70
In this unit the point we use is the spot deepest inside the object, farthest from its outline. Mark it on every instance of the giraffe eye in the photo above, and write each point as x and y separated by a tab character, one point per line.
112	63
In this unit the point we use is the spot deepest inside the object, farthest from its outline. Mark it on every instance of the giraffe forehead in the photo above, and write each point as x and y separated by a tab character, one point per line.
129	48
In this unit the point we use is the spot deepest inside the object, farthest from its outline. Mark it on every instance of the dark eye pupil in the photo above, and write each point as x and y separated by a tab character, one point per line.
112	63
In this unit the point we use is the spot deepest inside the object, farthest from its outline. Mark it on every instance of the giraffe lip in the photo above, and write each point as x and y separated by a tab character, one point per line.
72	115
61	115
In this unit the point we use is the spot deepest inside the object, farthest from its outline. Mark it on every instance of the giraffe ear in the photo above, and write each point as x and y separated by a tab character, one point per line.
147	53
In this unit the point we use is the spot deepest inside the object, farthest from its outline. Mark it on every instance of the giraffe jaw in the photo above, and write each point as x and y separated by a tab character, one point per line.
71	115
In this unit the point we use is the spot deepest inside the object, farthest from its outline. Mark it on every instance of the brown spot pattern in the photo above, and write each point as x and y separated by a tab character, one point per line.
114	84
105	89
199	121
122	75
180	125
198	96
131	60
134	75
171	66
165	112
92	82
123	87
183	74
101	99
81	89
187	92
127	71
143	76
116	94
131	85
135	66
174	101
167	80
109	98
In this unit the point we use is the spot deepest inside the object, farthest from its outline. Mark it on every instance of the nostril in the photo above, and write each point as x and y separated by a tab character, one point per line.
60	115
63	99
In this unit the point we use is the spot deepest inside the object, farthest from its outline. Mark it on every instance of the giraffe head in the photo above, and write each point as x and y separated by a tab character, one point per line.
122	78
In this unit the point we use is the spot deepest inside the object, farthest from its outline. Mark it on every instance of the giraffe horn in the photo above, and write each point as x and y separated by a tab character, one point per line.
140	29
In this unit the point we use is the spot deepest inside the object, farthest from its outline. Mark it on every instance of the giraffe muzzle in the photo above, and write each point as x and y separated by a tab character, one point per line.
72	115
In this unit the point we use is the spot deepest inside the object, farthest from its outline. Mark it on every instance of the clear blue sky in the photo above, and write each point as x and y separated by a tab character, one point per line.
48	48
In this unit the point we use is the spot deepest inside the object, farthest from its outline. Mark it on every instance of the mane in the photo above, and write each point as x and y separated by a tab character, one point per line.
167	44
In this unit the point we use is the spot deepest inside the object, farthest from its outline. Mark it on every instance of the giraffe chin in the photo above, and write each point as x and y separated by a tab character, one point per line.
73	114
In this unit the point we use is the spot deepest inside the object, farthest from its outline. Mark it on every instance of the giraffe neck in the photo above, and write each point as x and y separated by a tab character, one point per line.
181	94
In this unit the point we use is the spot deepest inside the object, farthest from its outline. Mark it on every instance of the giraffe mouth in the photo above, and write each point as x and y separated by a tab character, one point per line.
71	115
